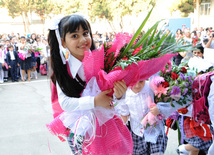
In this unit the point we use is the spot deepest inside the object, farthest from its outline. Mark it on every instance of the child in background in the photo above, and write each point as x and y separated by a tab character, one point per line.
194	137
68	81
151	140
13	62
1	63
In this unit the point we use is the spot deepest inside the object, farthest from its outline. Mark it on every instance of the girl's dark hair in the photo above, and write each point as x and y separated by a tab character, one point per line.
69	86
180	31
200	47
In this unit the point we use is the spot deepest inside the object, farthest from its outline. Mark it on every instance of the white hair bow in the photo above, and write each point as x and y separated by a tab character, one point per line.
54	25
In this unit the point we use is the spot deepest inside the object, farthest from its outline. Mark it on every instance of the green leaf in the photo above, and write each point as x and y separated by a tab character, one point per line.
147	34
136	34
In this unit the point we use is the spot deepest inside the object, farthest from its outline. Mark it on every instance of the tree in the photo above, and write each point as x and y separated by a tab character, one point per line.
186	7
43	8
19	8
112	10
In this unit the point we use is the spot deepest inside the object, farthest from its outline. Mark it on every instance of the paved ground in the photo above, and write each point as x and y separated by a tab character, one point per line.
25	108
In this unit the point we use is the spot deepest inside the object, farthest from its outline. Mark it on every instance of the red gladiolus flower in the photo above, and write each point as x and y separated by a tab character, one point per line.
125	58
136	50
174	76
165	84
184	70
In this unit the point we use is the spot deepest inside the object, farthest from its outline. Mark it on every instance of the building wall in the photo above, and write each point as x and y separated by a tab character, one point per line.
207	21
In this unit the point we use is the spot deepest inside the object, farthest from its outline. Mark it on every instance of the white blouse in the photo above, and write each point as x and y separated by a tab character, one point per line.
73	103
136	106
23	51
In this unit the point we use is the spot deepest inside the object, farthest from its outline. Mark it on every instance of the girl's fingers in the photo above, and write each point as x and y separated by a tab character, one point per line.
120	87
107	91
121	84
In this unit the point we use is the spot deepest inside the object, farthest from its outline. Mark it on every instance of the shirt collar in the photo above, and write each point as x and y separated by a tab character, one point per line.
74	65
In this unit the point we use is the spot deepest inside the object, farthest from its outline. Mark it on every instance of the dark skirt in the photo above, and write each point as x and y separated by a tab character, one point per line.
196	141
26	64
141	147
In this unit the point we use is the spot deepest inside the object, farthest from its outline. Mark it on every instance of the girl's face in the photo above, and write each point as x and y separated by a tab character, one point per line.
198	53
33	36
138	86
23	40
179	32
77	42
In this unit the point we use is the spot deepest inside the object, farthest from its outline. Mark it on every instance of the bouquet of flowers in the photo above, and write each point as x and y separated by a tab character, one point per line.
132	58
29	48
35	49
173	84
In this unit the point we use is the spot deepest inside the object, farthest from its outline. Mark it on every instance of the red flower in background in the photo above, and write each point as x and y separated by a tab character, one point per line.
184	70
165	84
174	76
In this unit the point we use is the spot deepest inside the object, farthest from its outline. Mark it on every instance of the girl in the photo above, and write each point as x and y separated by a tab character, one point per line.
197	142
68	81
151	140
178	34
25	64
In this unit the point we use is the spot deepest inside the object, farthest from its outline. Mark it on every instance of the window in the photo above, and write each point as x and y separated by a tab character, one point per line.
205	7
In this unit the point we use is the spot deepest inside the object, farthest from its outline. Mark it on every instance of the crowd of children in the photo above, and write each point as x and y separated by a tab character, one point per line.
18	56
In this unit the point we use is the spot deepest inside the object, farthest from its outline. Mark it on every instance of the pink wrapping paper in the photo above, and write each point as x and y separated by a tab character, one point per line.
93	63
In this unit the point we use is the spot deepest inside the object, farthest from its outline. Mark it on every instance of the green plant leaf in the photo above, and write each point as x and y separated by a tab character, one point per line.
136	34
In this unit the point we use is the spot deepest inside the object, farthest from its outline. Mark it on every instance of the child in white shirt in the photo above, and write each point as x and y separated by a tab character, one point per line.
153	139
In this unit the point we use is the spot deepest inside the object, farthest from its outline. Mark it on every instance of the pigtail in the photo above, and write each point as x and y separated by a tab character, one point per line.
69	86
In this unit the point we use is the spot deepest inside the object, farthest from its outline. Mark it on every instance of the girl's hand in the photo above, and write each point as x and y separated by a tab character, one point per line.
154	110
119	89
2	64
103	100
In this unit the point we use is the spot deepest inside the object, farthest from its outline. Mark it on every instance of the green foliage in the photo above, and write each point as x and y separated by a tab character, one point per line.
43	8
186	7
147	46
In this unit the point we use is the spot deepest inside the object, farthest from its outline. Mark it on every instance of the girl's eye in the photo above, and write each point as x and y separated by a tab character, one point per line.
74	36
86	33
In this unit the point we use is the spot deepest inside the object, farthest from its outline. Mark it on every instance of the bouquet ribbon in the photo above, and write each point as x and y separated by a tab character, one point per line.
83	122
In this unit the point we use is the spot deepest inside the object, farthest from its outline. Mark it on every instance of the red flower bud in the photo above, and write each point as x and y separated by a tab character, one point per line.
125	58
136	50
165	84
183	70
174	76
